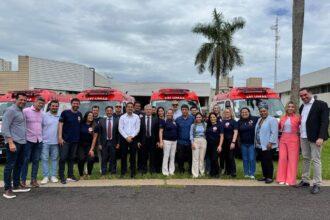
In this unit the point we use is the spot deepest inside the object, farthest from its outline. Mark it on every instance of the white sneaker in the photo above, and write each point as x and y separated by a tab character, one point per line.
44	180
54	179
281	183
246	176
252	177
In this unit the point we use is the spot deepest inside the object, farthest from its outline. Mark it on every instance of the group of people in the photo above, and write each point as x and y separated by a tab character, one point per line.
157	138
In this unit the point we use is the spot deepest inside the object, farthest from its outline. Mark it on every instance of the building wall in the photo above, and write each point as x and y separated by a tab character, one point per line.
285	97
318	82
254	82
57	75
15	80
5	65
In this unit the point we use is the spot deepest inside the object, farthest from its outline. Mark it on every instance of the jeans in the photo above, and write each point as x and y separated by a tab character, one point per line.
47	149
33	151
249	159
13	165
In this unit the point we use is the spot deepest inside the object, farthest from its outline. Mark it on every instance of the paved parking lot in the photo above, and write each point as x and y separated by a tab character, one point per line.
168	202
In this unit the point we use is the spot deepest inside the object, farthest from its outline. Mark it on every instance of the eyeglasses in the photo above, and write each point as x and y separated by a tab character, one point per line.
175	105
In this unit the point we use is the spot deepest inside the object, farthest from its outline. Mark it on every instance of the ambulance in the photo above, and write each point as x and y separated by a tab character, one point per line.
102	97
164	97
9	99
249	97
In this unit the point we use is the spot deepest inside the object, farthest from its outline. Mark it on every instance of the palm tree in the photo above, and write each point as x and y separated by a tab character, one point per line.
219	52
297	35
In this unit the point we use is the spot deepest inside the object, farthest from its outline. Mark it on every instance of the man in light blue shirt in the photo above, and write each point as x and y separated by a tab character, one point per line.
50	121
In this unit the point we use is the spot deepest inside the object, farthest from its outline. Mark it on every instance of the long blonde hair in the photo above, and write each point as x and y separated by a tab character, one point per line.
287	106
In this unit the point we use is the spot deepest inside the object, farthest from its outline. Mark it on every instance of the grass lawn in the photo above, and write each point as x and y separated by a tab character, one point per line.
239	167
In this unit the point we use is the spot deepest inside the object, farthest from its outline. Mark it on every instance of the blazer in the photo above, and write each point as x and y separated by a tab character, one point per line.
103	131
317	121
154	130
295	123
268	132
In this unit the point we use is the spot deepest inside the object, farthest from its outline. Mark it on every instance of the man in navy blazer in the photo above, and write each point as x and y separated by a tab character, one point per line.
148	138
109	140
313	133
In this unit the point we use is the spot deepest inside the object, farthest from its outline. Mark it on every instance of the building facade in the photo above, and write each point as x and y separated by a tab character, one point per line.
5	65
318	82
39	73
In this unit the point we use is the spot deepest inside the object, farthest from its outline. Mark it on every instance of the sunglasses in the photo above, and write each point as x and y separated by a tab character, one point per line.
118	106
175	105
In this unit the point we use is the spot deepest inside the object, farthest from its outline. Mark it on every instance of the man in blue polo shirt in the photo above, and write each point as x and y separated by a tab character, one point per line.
184	152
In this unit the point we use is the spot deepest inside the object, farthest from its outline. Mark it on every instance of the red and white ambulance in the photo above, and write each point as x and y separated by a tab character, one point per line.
250	97
164	98
102	97
9	98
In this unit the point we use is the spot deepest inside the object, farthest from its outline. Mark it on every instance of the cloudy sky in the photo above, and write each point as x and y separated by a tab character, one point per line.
152	41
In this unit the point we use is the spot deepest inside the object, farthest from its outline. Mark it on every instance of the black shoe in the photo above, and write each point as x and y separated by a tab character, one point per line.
63	180
302	184
72	179
316	189
132	175
268	181
262	179
233	175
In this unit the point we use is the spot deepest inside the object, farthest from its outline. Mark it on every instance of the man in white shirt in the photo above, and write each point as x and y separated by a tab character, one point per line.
129	127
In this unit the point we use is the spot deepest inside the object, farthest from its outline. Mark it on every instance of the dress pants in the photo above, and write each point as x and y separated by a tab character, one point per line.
184	154
126	147
229	156
108	155
148	152
311	152
267	163
159	159
288	158
198	155
169	157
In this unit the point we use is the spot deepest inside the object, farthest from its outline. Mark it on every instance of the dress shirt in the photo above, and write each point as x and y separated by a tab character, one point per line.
13	125
129	125
50	128
33	124
304	116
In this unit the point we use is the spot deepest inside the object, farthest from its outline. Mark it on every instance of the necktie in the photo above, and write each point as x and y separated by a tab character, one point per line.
148	126
109	129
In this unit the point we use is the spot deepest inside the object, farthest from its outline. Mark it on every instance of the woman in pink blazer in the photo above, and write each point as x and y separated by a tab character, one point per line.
288	146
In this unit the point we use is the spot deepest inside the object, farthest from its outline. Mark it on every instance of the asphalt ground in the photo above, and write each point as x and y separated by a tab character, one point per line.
168	202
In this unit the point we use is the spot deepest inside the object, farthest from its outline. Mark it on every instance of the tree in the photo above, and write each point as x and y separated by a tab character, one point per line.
218	53
297	36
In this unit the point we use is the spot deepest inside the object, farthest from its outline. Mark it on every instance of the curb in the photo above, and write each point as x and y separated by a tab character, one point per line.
166	182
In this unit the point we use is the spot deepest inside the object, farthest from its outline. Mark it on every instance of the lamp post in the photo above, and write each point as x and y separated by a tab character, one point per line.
277	38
